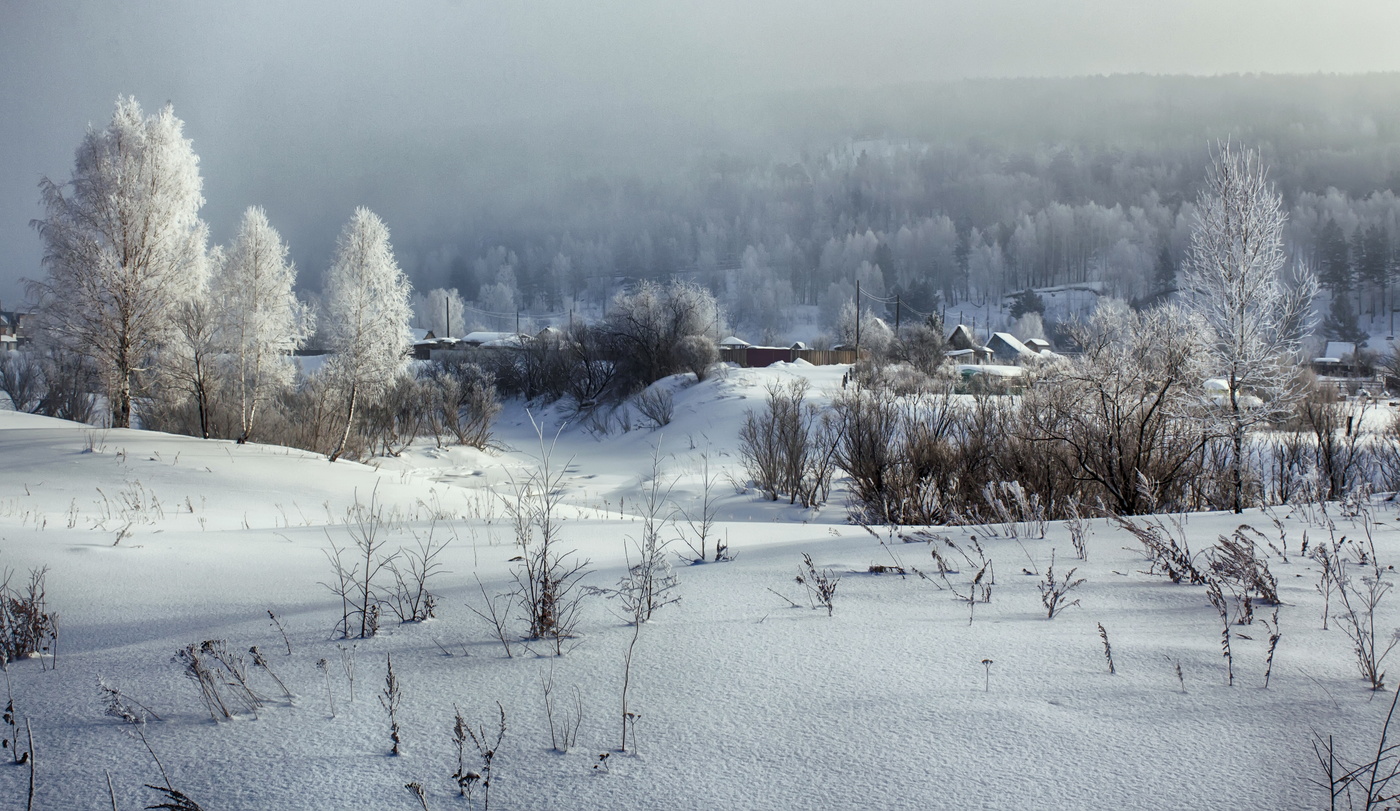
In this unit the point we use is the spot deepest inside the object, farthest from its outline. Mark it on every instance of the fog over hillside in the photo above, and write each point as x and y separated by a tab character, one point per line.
623	140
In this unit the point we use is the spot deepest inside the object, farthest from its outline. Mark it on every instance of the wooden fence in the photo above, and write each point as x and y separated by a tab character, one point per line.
757	356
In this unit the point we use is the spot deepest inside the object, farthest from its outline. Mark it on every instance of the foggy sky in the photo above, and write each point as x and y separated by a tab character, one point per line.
312	108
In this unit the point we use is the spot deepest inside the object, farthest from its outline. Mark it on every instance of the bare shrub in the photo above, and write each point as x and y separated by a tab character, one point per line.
27	627
413	600
547	578
1360	597
1288	464
1340	455
69	385
649	583
701	521
389	422
22	378
467	402
563	729
644	327
1370	779
789	448
356	580
656	404
1123	412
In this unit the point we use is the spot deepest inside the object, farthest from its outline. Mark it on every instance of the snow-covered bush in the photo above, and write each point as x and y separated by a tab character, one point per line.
695	354
644	328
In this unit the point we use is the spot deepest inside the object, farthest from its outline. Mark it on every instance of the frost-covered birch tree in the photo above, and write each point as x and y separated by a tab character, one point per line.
1234	279
190	360
124	247
366	313
262	322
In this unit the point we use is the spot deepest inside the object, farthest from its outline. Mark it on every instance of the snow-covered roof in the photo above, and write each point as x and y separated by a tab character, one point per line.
1011	341
962	337
421	335
491	339
1038	344
991	369
733	341
1336	350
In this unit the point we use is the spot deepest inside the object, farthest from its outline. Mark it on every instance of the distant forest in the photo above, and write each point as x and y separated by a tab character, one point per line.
942	195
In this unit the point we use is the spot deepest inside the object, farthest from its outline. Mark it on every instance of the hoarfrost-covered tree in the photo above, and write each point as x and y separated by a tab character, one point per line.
646	325
442	311
1234	280
124	247
190	360
262	321
366	314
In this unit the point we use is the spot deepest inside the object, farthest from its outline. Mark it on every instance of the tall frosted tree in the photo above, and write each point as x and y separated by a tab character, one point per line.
367	312
1234	280
262	321
124	247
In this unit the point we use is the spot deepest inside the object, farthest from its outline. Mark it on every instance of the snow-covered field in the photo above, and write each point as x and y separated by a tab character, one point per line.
154	542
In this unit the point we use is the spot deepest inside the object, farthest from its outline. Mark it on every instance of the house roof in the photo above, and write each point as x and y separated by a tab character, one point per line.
962	338
733	341
1336	350
1010	341
1038	344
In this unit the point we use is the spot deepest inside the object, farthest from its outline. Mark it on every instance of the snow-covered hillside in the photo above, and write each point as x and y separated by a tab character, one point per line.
904	697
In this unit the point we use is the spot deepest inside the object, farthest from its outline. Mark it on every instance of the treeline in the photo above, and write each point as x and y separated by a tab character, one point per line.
962	192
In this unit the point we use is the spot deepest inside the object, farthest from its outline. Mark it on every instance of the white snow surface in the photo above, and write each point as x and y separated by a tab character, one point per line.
156	541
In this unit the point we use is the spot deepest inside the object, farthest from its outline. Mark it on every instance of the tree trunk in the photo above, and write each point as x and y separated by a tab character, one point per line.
1237	437
349	421
121	409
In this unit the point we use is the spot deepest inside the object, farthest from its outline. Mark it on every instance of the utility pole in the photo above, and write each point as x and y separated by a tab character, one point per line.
896	312
517	320
857	319
447	324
